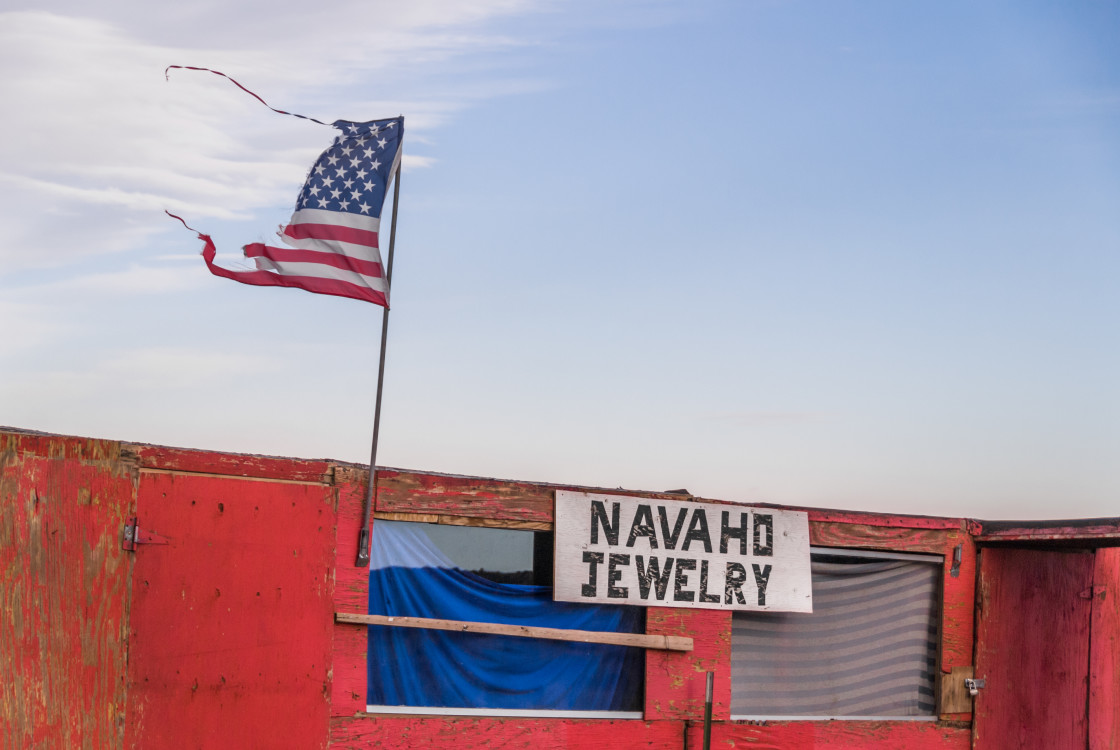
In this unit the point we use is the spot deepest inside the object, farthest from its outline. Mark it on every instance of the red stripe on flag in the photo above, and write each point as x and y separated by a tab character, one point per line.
282	254
331	232
336	287
266	278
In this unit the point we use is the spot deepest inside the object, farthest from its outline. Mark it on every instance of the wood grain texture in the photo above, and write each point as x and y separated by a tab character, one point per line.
230	632
1092	531
958	615
676	682
833	735
494	523
351	594
954	695
888	520
1033	649
637	640
867	536
64	590
229	464
400	491
1104	653
417	732
448	520
408	492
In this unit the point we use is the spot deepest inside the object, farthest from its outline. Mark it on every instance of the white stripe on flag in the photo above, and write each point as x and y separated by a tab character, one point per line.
320	271
349	249
338	218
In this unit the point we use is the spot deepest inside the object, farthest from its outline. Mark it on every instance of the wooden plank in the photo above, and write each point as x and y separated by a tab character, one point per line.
954	696
64	591
1104	673
411	492
958	613
411	732
675	681
447	520
229	464
407	517
351	592
834	735
239	478
1102	531
664	642
887	520
878	537
1032	649
400	491
495	523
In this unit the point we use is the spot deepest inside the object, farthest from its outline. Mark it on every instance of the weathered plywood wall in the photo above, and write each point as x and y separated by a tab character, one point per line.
64	585
1104	654
225	636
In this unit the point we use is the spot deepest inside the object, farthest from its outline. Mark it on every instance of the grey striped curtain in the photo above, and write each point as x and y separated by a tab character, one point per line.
868	649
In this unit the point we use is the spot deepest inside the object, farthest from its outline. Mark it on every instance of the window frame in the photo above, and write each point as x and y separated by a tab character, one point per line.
863	554
483	712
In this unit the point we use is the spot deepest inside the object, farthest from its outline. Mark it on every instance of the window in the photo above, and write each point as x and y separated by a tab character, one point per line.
475	574
869	648
498	555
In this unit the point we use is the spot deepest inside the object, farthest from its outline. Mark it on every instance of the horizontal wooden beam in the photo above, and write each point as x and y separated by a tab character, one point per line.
449	520
639	640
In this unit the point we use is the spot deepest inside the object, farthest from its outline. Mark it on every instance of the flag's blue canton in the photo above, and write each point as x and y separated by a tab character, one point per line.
353	173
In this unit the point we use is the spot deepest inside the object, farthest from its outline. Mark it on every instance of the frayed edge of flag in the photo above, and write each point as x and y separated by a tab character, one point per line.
167	77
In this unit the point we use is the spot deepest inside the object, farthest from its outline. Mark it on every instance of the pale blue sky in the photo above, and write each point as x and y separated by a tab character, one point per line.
858	255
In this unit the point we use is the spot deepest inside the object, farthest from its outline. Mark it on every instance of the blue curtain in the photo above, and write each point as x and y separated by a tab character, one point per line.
409	577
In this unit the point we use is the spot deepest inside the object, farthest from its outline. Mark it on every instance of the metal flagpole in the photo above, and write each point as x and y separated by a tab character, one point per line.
367	504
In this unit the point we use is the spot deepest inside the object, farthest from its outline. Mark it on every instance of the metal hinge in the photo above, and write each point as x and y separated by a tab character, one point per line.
1093	592
134	535
974	685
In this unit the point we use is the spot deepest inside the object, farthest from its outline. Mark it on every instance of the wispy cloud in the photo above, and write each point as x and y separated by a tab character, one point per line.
171	367
159	368
28	325
98	143
133	280
753	418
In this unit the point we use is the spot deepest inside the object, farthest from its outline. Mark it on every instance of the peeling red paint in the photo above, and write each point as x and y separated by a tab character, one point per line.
229	464
63	591
351	594
225	637
407	732
676	682
1104	658
834	735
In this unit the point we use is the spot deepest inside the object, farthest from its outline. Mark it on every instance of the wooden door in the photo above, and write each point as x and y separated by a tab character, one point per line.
231	621
1033	639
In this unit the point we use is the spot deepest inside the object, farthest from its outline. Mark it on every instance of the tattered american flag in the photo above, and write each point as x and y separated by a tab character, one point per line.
332	239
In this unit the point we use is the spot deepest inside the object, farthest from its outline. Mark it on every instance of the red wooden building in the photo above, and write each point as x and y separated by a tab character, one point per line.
210	621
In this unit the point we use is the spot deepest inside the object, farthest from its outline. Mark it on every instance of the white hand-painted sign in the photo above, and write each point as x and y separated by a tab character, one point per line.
670	553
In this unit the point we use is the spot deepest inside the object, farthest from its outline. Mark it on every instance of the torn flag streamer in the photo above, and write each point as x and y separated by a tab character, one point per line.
332	239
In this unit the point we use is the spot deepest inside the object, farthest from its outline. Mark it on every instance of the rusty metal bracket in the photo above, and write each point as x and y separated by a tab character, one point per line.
134	535
955	569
